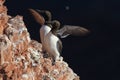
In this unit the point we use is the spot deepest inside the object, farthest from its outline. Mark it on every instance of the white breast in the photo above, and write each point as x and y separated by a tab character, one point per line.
49	41
43	31
51	45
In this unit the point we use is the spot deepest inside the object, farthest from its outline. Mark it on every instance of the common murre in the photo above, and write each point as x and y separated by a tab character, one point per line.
50	30
51	43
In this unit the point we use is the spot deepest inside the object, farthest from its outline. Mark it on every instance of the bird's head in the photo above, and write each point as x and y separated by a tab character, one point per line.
55	24
47	14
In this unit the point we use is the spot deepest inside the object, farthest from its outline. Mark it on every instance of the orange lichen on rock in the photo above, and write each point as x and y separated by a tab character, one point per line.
2	2
22	58
3	16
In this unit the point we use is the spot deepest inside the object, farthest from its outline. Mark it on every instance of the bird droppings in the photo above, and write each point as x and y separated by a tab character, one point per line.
22	58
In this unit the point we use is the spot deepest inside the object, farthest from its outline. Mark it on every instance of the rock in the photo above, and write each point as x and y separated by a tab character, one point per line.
3	16
21	58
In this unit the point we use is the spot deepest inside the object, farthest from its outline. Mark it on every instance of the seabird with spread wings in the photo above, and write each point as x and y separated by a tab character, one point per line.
50	30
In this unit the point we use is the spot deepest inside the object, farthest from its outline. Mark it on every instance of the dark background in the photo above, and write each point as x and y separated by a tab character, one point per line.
92	57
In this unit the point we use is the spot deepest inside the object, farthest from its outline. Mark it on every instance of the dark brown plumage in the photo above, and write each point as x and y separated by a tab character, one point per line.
47	14
39	18
72	30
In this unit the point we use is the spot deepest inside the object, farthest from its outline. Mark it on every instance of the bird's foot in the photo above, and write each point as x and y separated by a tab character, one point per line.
45	55
60	59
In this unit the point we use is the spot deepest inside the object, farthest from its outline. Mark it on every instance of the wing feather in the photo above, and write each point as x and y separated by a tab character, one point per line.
72	30
40	19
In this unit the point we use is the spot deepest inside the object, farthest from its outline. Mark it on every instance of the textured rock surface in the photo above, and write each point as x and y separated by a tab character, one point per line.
21	58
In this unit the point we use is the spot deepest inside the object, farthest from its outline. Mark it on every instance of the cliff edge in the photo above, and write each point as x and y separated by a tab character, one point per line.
21	58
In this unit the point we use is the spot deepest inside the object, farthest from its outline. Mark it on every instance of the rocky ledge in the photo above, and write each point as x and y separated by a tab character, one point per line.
21	58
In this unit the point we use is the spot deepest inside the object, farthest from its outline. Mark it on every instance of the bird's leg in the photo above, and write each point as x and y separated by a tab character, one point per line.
46	55
43	50
56	58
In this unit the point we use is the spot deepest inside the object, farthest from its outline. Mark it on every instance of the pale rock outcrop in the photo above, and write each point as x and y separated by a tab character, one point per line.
21	58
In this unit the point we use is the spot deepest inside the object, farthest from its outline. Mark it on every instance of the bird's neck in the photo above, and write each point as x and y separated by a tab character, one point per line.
54	30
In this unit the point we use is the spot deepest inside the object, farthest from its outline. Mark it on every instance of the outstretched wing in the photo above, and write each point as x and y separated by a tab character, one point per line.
40	19
72	30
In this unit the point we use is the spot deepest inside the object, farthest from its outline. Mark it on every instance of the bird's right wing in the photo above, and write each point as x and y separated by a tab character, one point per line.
40	19
67	30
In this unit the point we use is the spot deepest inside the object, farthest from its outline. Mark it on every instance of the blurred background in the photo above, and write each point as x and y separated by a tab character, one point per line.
92	57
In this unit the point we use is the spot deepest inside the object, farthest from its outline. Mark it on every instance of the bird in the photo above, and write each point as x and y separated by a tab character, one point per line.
51	43
50	31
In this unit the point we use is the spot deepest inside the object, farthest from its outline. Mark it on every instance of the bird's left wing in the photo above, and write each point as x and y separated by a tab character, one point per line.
67	30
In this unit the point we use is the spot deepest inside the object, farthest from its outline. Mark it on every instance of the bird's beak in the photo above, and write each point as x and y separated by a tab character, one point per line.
44	11
41	11
32	10
48	22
